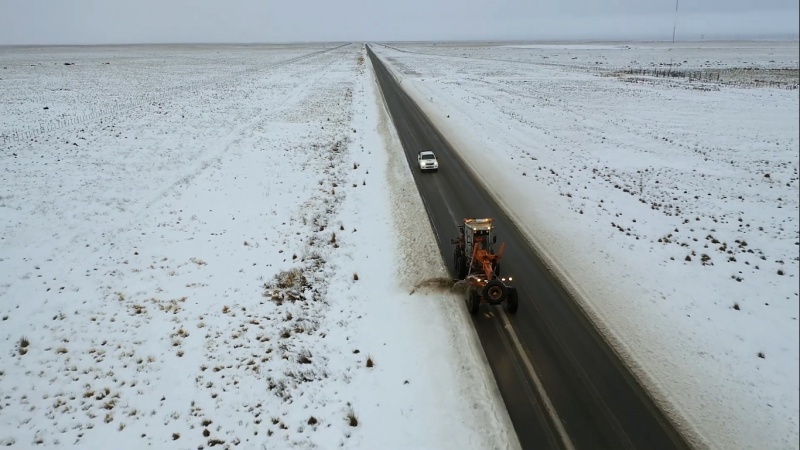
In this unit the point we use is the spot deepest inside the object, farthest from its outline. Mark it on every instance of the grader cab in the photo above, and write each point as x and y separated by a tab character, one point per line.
476	262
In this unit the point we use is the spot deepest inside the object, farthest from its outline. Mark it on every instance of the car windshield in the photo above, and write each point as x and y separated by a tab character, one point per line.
428	156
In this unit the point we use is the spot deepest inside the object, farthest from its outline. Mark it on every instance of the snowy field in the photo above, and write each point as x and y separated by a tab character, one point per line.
200	247
726	63
668	204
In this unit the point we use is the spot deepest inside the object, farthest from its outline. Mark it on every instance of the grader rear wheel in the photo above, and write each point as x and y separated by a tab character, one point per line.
459	264
473	301
512	304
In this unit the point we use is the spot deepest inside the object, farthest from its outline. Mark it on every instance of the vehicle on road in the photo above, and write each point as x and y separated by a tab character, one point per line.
427	161
476	262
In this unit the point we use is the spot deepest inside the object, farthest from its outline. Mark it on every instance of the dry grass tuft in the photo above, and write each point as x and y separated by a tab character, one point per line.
288	279
352	420
23	345
370	362
304	357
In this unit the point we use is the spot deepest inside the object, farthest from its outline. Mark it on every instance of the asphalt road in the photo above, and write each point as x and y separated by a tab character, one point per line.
562	384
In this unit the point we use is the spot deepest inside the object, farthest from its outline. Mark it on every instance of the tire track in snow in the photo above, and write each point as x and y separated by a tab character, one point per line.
235	136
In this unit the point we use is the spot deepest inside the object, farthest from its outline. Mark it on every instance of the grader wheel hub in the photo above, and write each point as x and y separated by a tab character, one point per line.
495	291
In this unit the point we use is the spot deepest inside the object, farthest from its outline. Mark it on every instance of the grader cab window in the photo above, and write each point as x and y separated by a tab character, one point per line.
481	236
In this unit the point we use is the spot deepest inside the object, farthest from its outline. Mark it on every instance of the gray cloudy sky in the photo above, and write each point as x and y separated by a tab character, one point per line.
24	22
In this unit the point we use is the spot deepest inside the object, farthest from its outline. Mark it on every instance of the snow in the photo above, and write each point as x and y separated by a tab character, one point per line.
156	218
668	206
207	246
565	46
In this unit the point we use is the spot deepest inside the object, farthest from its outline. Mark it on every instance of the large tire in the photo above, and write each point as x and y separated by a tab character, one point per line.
512	303
459	264
473	301
462	268
495	291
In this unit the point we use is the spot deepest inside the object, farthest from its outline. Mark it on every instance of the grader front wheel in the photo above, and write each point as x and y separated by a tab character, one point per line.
495	291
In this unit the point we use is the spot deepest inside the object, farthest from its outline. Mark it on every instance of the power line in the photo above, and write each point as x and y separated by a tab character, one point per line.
675	21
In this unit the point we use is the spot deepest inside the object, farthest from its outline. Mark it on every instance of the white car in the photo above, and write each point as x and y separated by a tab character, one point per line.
427	161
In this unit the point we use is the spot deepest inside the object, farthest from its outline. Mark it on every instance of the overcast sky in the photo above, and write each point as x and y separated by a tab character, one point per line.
33	22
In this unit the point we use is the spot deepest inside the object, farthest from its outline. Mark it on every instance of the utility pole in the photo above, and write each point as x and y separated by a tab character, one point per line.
675	21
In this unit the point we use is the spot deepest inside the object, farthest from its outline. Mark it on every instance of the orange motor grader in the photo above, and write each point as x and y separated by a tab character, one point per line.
476	262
